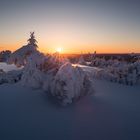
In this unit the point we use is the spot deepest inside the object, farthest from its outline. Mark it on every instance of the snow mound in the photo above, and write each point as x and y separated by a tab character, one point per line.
6	67
70	83
19	57
10	77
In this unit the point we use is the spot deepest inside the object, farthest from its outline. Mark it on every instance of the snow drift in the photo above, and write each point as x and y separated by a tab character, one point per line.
9	73
10	77
6	67
19	57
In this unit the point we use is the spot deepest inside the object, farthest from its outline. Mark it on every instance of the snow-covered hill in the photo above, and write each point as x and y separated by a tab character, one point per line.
19	57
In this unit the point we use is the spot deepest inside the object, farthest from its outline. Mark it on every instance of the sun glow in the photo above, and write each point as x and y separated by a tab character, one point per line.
59	50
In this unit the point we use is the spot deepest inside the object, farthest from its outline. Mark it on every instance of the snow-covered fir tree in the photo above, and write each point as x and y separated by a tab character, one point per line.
32	41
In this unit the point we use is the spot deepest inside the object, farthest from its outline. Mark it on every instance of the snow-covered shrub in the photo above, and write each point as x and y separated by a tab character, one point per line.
119	71
39	70
128	74
33	71
11	76
70	83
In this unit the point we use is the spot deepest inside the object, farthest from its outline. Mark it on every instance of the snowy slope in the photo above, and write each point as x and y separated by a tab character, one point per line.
111	114
19	56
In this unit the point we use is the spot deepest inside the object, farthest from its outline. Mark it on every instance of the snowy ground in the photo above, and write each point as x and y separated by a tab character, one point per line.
6	67
113	113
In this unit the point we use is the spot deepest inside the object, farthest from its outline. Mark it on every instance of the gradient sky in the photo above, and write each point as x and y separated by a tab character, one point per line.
75	25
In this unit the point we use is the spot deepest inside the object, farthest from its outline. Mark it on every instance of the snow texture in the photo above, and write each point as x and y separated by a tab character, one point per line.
8	67
10	73
10	77
111	114
118	71
19	57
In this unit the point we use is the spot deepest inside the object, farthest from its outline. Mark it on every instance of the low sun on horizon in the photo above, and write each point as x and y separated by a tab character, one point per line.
59	49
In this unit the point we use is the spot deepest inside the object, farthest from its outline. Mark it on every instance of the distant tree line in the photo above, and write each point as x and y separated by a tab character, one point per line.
4	55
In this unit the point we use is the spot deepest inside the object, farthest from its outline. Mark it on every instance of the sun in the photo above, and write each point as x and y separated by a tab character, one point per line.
59	50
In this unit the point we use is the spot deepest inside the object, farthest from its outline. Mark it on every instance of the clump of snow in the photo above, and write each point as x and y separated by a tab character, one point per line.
10	77
8	67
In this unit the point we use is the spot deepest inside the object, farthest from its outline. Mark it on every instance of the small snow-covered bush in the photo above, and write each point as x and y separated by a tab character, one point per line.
34	70
70	83
10	77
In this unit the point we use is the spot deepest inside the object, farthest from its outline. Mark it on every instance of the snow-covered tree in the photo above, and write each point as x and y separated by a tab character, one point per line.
32	40
4	55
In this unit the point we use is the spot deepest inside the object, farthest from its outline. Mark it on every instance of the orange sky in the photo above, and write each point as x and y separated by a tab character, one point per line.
106	48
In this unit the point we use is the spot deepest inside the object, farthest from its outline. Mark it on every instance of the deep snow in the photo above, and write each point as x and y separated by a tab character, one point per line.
112	113
9	67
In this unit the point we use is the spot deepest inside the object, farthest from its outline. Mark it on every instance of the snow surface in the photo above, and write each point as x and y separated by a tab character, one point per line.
9	67
19	56
111	114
